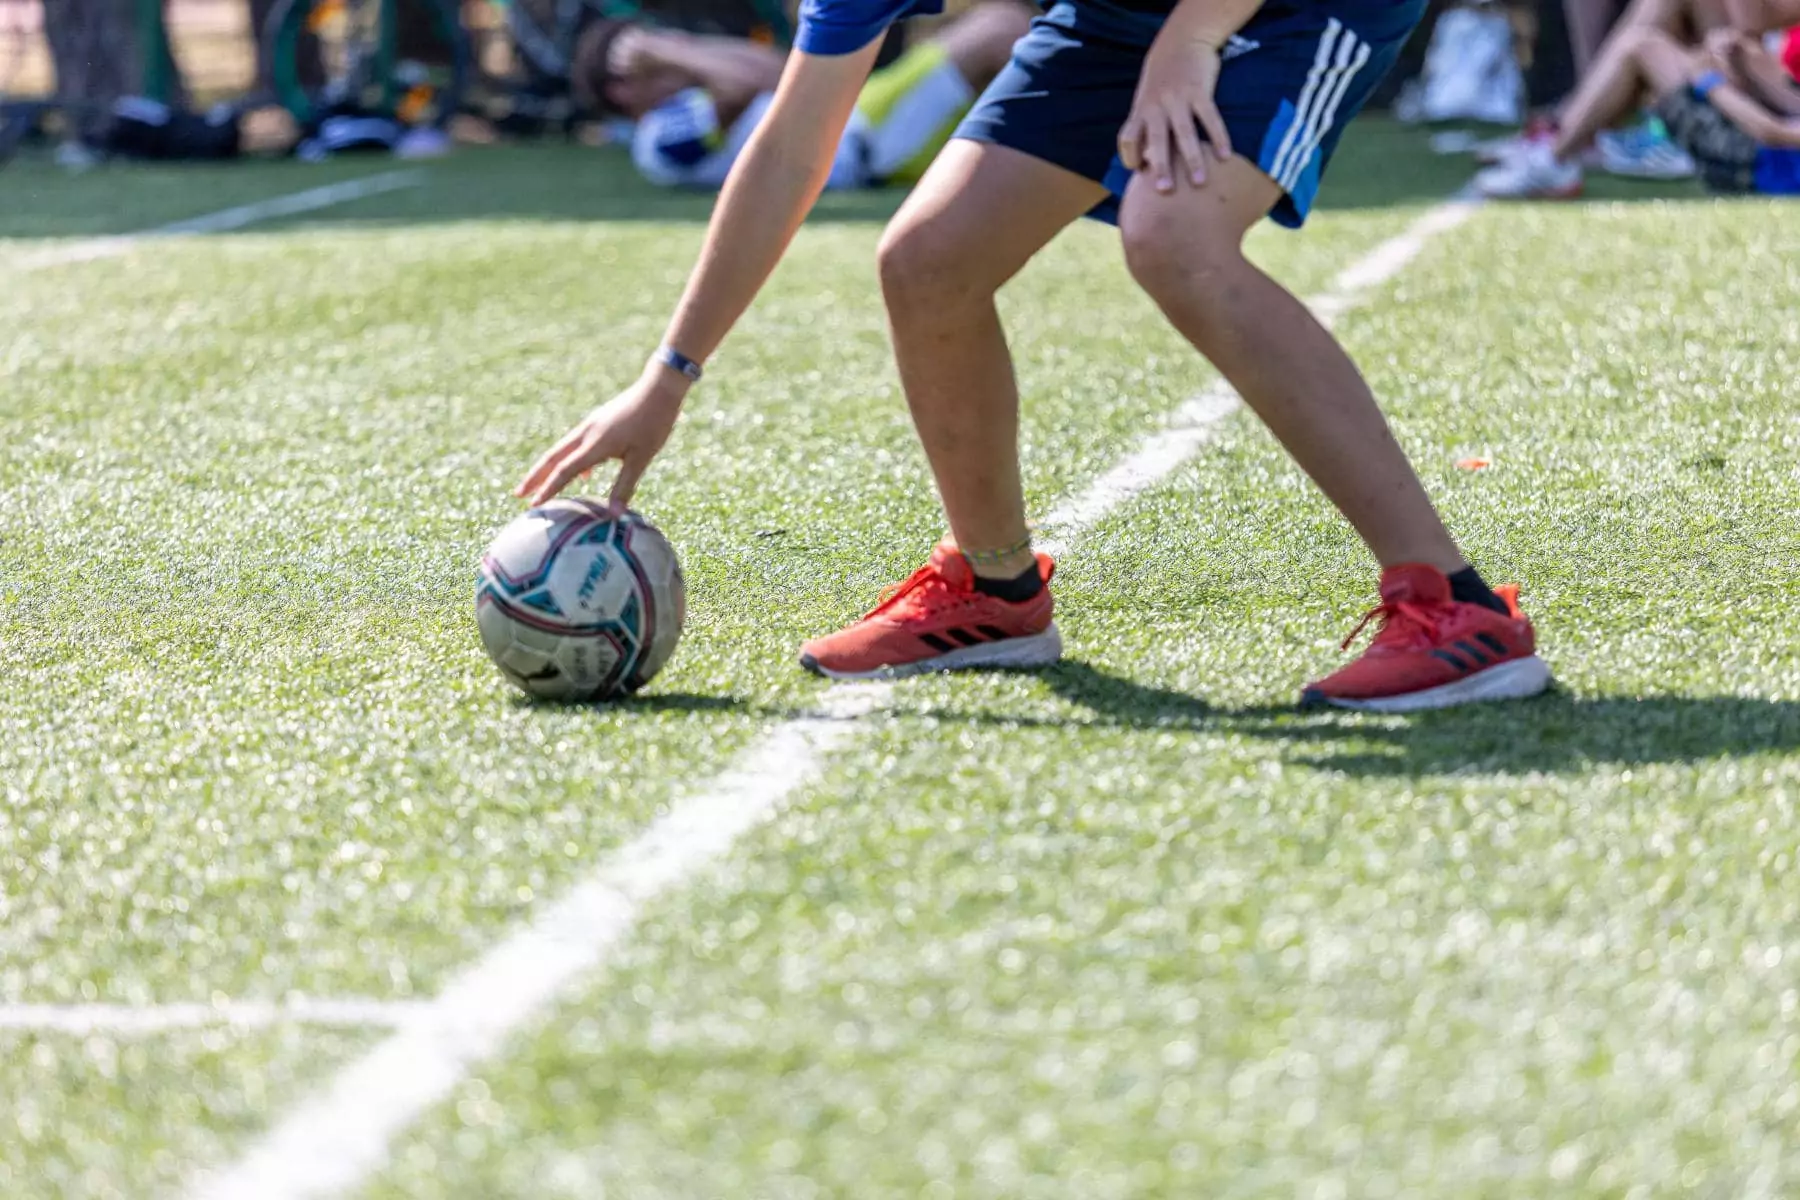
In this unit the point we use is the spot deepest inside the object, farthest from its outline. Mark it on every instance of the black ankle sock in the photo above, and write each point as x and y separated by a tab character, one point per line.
1468	587
1016	590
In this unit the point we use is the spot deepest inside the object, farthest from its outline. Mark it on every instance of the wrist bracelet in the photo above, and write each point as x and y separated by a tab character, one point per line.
1704	86
678	362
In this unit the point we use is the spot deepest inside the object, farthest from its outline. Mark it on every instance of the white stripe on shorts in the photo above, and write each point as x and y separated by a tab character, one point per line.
1321	60
1334	96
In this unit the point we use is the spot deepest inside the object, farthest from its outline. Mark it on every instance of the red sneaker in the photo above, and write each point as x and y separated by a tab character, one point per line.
937	621
1434	652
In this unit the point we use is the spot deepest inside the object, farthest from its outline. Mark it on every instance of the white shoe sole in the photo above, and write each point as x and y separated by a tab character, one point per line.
1650	174
1513	680
1036	650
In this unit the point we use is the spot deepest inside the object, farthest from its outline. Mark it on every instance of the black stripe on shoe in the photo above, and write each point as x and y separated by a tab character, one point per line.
965	637
1450	658
1473	653
1492	643
993	633
936	643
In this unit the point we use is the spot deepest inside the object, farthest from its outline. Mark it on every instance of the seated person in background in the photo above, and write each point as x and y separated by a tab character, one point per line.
1729	103
697	99
1641	151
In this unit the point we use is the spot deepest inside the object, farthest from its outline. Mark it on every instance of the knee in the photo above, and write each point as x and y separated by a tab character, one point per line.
1634	40
1652	14
922	264
1176	263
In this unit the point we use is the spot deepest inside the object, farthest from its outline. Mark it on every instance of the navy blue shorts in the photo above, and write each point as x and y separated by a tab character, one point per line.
1291	80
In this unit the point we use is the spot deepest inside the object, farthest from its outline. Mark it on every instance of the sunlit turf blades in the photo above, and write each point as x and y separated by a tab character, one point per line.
1127	927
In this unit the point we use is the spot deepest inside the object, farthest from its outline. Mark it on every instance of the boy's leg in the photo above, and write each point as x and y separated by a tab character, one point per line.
1185	250
1445	637
979	215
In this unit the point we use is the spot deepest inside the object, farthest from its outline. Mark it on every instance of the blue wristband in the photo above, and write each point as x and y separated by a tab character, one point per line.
676	361
1707	83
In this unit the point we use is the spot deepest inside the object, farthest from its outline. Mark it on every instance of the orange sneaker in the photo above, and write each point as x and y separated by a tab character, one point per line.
937	621
1434	652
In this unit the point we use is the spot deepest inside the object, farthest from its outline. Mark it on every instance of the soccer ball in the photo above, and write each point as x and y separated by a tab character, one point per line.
573	605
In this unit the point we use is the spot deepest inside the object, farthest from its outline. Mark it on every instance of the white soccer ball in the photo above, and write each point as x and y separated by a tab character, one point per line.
575	606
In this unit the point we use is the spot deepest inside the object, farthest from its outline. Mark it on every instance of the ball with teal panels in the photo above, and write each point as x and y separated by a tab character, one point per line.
574	604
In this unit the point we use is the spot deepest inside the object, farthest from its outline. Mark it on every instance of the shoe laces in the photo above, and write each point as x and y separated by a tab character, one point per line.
1405	624
919	593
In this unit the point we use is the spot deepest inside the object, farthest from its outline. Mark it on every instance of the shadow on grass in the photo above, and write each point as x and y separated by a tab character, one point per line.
1554	732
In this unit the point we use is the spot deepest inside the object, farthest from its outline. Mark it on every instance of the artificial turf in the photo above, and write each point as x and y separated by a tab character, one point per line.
1128	926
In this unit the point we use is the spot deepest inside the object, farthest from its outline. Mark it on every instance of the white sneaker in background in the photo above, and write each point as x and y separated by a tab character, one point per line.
1498	150
1533	173
426	141
1470	70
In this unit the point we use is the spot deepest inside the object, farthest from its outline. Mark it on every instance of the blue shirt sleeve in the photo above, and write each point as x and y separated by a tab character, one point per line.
833	27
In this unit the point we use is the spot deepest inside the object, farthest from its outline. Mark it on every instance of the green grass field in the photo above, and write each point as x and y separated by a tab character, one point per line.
1128	927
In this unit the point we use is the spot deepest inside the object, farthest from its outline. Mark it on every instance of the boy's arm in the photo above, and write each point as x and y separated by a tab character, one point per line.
768	194
765	198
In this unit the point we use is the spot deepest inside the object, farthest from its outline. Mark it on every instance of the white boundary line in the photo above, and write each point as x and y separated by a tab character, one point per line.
226	219
127	1020
338	1137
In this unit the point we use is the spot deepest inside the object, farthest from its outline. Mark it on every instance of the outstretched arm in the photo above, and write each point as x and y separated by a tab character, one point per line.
765	198
767	195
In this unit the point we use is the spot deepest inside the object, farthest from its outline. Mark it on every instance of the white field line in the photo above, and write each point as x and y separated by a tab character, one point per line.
335	1139
226	219
127	1020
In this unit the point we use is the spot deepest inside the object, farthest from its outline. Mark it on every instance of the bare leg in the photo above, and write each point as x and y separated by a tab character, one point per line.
1598	89
1631	62
981	40
1588	23
1688	20
976	218
1186	250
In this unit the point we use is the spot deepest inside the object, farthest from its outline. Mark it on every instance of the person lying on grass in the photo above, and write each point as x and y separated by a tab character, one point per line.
697	100
1185	123
1730	103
